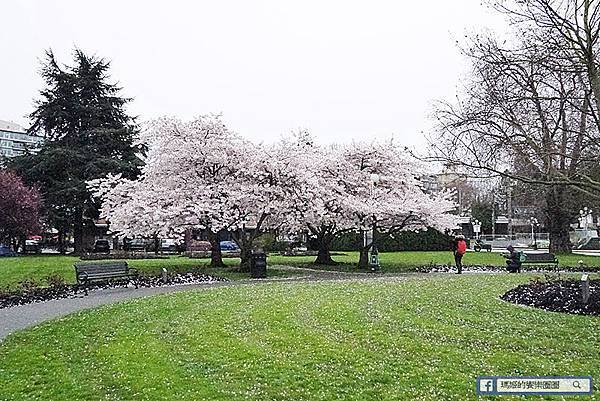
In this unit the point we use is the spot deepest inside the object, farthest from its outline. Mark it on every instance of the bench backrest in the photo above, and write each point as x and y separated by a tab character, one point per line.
540	257
93	269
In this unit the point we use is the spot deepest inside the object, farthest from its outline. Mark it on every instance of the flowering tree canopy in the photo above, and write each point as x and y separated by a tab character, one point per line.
19	208
362	185
200	174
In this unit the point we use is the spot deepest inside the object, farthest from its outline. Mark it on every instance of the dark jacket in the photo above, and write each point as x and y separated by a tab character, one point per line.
513	256
513	259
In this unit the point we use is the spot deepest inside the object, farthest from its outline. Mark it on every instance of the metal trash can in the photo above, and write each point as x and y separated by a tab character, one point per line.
258	264
374	260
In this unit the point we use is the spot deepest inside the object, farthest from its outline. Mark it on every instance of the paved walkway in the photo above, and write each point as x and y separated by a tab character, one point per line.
23	316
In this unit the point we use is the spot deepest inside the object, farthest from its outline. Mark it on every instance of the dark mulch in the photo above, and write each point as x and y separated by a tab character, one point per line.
434	268
557	296
121	255
32	293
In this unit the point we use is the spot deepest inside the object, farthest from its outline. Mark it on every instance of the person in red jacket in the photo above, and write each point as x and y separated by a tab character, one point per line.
460	248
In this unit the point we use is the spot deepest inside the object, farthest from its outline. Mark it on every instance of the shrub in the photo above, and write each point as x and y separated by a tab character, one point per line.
429	240
56	280
121	255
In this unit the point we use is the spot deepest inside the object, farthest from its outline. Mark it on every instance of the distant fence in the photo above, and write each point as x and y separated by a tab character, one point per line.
518	240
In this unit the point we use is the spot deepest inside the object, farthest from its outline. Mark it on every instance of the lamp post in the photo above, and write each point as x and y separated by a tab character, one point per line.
584	219
374	259
534	223
476	228
493	217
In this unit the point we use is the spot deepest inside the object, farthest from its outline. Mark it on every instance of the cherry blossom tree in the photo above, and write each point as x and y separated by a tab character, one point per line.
184	183
383	192
20	209
317	201
336	193
200	174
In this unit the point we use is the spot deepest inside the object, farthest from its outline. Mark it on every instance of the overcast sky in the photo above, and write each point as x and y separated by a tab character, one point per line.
342	69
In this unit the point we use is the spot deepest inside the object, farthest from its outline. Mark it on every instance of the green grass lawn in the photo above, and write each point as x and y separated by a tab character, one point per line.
39	268
420	338
408	260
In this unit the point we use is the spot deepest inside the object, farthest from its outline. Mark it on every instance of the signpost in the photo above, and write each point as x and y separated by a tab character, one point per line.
476	228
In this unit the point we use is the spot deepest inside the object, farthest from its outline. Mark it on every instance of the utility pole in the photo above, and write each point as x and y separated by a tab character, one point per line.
493	218
510	210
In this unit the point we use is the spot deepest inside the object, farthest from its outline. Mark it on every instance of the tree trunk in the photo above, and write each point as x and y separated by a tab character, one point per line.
22	242
324	253
558	220
61	243
156	244
216	258
245	257
245	242
78	239
363	261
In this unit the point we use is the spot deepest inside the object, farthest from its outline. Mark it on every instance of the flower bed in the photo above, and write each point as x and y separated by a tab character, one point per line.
206	254
121	255
30	292
556	296
446	268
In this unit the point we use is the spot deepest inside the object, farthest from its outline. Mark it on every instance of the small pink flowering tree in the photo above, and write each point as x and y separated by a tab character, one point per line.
20	209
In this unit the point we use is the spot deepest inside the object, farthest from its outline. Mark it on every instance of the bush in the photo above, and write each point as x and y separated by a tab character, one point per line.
429	240
56	280
266	241
28	285
277	246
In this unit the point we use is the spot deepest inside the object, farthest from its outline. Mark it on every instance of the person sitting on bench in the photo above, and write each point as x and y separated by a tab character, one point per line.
513	260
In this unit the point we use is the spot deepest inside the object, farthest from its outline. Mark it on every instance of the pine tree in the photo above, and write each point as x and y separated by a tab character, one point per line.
88	135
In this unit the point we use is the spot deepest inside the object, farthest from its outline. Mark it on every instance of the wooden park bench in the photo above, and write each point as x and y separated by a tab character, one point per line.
104	271
540	259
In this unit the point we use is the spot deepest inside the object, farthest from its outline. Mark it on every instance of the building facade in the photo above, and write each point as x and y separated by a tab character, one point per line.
14	139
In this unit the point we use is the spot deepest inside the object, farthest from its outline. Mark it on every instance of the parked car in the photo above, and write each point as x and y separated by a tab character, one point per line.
6	251
538	244
101	246
168	245
480	244
32	246
590	244
136	244
229	246
199	246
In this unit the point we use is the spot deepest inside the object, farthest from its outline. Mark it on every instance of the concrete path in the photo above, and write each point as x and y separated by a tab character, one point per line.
23	316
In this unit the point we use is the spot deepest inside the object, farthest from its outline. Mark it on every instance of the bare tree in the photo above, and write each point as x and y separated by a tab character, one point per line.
529	112
571	27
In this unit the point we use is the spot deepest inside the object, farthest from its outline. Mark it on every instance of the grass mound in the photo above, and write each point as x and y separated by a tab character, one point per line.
402	339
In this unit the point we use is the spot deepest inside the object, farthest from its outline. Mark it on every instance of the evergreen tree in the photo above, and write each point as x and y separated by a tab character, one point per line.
88	135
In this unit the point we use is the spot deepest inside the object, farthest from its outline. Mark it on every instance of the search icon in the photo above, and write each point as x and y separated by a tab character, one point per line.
576	384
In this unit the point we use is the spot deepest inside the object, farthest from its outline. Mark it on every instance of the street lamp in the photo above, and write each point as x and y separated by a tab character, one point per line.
374	259
534	223
584	219
476	228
